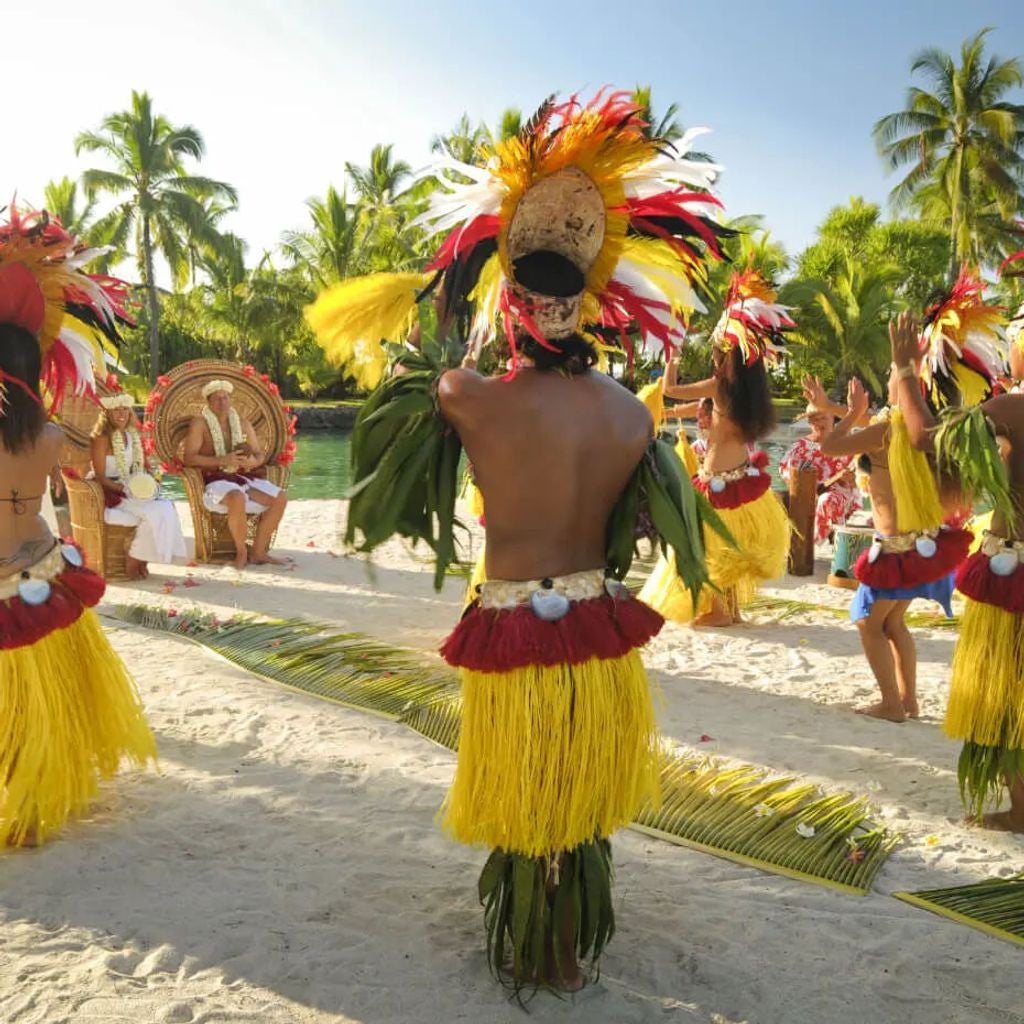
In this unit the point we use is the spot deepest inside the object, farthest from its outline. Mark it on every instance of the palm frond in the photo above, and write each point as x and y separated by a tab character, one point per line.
995	906
741	812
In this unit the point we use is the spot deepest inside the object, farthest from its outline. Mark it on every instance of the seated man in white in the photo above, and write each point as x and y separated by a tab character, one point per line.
224	446
130	493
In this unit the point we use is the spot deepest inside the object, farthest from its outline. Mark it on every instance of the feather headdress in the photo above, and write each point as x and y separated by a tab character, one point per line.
963	345
580	224
74	316
752	320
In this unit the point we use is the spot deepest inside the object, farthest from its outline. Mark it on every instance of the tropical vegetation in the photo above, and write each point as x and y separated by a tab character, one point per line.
957	146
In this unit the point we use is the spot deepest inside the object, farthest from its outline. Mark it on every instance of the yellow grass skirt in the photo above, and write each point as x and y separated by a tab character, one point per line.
761	530
986	691
69	714
553	756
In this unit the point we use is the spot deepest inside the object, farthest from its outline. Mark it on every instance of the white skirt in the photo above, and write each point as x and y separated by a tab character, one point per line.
217	490
158	536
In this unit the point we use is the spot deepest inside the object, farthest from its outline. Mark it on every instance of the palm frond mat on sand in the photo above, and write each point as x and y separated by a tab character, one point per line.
741	813
786	609
995	906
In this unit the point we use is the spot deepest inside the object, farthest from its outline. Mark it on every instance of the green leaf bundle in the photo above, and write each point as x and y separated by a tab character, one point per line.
405	461
966	449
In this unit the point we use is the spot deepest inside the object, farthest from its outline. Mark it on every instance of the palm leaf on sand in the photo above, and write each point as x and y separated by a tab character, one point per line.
738	812
995	906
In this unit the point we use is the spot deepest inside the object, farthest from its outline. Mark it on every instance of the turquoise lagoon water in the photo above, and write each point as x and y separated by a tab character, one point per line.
321	466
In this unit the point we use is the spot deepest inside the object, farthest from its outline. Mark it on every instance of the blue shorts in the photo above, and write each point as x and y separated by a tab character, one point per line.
940	590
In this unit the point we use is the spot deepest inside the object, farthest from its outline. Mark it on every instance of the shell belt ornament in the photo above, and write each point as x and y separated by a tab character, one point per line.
900	543
1004	556
32	585
717	482
550	598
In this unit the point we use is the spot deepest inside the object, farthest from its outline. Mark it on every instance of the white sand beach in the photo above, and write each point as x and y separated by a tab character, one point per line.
283	863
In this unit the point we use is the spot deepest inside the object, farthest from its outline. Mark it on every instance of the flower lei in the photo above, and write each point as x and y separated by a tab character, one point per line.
120	454
217	435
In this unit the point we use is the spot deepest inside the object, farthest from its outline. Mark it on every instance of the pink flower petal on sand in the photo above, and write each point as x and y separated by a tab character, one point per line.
705	738
189	582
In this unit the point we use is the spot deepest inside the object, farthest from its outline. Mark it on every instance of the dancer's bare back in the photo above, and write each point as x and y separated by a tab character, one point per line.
24	535
551	455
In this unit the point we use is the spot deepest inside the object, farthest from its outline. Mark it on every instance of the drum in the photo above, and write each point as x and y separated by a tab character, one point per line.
850	542
142	486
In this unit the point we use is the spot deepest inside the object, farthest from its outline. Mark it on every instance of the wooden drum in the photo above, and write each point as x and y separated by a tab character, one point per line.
850	541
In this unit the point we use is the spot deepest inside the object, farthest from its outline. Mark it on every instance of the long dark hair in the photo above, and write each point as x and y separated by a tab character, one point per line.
22	419
744	395
572	355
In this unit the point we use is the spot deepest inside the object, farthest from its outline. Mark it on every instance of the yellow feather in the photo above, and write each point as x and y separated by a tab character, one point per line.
352	319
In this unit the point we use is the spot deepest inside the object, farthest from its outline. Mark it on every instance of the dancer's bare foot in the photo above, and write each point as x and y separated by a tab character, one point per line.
29	840
911	708
716	619
241	558
999	821
266	559
884	711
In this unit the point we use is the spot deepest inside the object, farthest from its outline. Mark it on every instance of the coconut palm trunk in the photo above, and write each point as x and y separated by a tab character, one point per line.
152	301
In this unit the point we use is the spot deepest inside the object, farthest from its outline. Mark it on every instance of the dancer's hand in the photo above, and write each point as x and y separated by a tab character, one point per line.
856	398
814	392
903	341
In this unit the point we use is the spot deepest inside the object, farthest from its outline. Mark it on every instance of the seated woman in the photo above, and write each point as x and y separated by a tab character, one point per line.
736	483
118	463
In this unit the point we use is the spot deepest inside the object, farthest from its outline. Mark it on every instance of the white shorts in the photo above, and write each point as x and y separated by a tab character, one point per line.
217	490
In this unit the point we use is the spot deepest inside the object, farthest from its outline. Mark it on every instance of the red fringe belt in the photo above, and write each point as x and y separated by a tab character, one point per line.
974	579
893	570
738	492
71	593
500	640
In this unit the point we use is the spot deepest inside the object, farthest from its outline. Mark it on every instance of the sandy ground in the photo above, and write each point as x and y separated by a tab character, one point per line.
283	864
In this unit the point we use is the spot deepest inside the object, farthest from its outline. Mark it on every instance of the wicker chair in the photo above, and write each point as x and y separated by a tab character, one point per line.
105	546
180	399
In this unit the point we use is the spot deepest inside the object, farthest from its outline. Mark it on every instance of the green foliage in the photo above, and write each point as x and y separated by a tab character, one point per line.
962	145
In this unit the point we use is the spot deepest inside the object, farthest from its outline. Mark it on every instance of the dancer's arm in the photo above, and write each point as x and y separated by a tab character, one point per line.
843	440
905	357
688	392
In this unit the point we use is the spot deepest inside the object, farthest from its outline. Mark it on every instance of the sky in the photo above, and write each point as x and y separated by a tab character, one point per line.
285	92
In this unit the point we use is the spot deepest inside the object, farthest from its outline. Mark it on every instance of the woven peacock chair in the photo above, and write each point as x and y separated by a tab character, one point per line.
174	404
105	545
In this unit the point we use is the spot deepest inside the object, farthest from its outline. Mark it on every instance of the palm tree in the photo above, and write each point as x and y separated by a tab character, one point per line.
61	201
377	185
843	322
666	127
330	251
463	143
510	124
962	136
159	207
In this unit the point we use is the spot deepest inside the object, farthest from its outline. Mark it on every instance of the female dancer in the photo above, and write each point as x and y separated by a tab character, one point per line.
735	481
68	710
118	462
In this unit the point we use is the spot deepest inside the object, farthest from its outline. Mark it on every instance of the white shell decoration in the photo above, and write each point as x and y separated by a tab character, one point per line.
1004	564
805	831
874	551
717	484
72	555
753	471
34	592
616	589
549	605
926	547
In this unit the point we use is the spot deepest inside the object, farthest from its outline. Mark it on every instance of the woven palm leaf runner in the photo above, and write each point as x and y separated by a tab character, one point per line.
741	813
995	907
